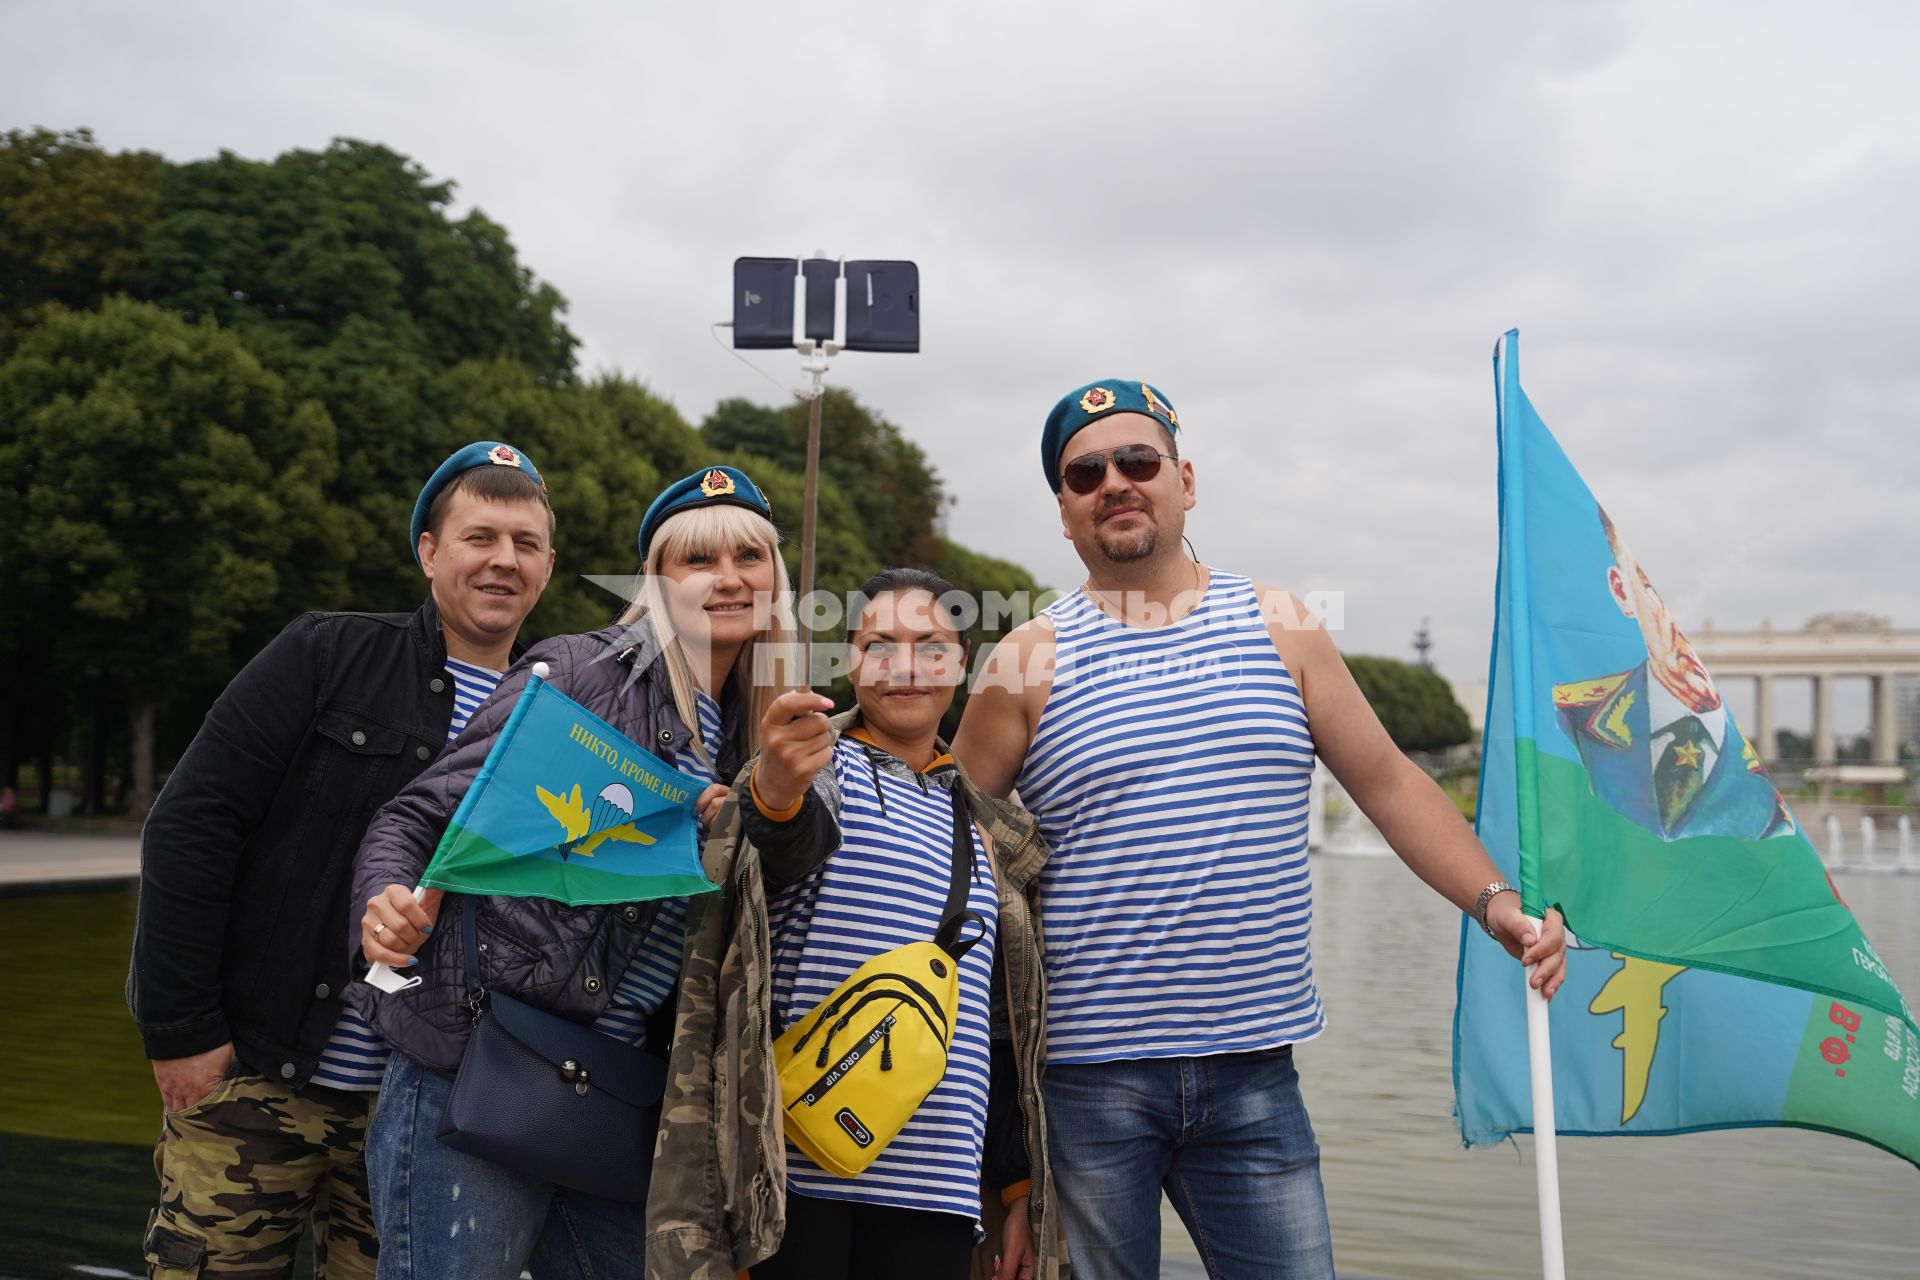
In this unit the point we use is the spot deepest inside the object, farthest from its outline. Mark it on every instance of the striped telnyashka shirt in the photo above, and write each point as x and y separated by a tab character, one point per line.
655	968
354	1057
1169	773
885	887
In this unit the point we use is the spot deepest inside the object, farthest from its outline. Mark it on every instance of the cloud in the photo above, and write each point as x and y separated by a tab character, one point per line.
1308	224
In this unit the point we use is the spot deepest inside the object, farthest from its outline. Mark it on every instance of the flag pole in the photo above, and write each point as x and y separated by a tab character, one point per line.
1513	573
1546	1159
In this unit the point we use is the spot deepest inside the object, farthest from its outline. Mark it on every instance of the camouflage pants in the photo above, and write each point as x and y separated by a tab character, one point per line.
244	1169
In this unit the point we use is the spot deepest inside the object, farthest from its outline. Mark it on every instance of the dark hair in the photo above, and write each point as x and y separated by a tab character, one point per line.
494	484
902	578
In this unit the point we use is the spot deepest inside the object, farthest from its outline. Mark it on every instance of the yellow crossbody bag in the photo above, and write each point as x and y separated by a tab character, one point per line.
855	1069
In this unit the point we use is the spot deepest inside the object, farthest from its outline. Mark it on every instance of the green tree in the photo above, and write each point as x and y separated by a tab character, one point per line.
1414	703
72	222
600	449
651	426
307	337
894	493
164	509
290	251
345	272
752	428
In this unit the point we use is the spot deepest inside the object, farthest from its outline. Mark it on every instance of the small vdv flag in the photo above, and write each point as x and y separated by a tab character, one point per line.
567	807
1715	978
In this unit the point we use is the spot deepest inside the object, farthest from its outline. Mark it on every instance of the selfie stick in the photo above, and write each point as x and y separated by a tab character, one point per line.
815	358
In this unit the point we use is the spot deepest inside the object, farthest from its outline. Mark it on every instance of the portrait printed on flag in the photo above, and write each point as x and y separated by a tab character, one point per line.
1658	744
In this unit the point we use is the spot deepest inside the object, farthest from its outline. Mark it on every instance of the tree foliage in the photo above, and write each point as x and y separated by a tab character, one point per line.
163	504
223	382
1415	704
161	485
72	222
892	491
314	241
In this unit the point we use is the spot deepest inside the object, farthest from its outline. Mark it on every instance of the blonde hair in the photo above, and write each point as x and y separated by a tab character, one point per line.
769	662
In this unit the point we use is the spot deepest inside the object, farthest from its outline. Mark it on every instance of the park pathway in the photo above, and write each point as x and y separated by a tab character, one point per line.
42	860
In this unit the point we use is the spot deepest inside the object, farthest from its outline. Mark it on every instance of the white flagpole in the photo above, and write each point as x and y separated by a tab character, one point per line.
385	977
1513	543
1546	1162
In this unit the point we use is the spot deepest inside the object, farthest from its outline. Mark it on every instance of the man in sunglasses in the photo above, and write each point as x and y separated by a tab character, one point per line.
1162	723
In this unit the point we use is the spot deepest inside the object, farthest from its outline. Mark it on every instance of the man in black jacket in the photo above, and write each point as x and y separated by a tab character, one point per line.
266	1079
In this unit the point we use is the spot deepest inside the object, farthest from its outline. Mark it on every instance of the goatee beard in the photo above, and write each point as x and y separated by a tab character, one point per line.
1130	547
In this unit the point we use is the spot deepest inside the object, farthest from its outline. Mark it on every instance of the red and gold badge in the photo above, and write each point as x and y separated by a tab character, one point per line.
501	456
1154	405
1097	400
716	483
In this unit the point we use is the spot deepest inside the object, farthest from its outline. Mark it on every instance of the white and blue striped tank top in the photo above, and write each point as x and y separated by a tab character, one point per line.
1169	774
355	1057
883	888
655	968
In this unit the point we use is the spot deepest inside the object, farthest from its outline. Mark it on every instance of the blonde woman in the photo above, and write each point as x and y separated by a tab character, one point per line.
687	673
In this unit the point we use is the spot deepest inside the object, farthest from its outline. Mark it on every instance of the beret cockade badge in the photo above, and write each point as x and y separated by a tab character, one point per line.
1096	400
715	483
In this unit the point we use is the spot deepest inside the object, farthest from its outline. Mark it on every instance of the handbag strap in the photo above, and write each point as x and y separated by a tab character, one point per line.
954	916
470	940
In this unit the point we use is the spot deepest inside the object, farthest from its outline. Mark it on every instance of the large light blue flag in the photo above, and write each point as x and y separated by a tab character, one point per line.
1718	980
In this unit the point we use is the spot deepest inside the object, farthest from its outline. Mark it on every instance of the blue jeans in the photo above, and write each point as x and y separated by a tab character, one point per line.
1227	1138
445	1215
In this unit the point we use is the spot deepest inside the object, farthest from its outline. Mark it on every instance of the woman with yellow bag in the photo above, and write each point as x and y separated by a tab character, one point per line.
892	881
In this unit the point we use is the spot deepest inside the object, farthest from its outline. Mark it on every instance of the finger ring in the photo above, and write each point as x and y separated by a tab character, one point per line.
377	928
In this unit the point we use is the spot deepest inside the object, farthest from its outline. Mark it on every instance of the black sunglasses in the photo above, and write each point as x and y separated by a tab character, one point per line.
1137	462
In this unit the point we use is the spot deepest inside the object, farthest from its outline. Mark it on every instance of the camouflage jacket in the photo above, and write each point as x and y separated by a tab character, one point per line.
718	1200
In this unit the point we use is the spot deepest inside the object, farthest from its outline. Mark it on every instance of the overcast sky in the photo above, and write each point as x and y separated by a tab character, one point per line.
1306	223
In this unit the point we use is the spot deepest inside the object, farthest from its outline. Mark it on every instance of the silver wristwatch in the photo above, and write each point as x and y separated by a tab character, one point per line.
1486	896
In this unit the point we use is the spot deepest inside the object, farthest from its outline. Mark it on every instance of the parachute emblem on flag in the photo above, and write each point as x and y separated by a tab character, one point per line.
611	818
626	813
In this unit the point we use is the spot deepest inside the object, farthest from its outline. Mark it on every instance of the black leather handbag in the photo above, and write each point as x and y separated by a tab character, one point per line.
552	1098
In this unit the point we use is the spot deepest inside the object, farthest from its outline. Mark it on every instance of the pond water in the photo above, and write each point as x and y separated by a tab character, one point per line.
78	1112
1407	1200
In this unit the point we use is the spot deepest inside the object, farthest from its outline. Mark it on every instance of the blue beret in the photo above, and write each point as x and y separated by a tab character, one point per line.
1088	404
707	487
481	453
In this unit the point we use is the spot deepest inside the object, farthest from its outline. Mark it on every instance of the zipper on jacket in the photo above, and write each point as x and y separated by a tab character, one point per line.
754	918
1028	1056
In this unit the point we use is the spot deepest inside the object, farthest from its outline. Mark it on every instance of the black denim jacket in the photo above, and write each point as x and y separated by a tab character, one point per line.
246	856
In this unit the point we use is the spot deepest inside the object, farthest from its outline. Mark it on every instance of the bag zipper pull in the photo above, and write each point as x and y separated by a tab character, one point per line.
839	1025
886	1046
